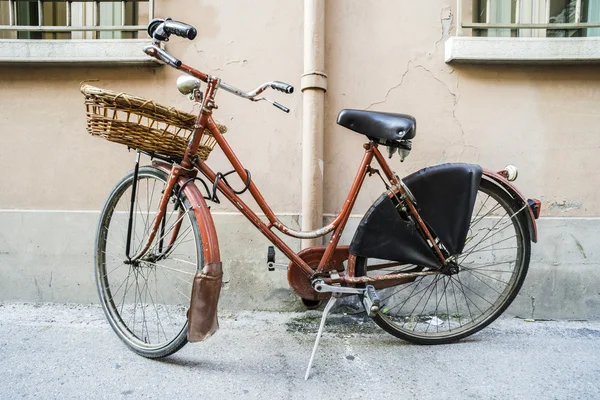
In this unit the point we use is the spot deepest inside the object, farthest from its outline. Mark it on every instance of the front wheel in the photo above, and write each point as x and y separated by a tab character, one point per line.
146	301
437	309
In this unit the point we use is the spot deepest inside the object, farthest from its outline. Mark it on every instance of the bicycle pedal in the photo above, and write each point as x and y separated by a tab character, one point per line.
272	266
371	301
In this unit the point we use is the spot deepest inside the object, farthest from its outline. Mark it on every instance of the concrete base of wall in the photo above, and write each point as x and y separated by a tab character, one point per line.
47	256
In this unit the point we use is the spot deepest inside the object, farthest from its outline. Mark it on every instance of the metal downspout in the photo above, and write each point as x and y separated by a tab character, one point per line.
314	86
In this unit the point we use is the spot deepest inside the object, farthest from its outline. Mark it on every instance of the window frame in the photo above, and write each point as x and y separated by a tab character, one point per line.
532	46
90	45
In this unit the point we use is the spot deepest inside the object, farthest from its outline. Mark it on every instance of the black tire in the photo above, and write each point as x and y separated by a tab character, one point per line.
456	306
146	303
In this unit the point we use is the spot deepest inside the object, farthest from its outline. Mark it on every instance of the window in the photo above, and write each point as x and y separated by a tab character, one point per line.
537	12
534	20
43	26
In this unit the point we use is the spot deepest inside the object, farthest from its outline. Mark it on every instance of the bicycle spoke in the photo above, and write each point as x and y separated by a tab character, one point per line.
164	302
151	248
485	283
467	299
456	303
505	248
472	271
126	288
185	296
447	308
475	222
475	293
170	269
158	321
437	278
489	265
493	244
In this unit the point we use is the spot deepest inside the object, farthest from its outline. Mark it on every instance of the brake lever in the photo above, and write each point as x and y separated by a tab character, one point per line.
157	52
281	107
276	104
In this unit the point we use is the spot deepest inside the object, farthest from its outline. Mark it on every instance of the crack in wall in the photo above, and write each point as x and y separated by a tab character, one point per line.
392	88
455	99
231	62
454	94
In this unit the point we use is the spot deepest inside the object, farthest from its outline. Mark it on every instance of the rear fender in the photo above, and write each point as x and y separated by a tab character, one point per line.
508	187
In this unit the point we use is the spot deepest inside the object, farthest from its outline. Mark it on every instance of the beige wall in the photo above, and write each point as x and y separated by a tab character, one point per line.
50	162
381	55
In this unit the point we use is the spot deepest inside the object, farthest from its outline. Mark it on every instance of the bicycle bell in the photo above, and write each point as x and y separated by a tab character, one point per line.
188	85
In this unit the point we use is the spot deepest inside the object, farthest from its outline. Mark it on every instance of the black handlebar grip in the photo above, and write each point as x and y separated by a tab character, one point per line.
179	29
153	25
282	87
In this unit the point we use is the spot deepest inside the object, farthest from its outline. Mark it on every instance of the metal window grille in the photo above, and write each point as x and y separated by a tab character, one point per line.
53	19
551	24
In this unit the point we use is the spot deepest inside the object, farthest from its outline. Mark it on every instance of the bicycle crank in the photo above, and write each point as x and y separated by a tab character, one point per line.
369	296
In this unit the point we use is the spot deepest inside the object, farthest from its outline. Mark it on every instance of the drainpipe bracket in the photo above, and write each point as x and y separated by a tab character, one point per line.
314	80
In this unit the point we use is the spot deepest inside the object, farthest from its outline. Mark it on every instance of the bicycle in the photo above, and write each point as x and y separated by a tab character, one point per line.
438	256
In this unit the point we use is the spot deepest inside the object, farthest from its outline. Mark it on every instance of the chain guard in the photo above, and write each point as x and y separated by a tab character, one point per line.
301	283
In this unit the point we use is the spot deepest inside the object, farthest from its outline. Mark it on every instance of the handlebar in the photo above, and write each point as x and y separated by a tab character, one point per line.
160	30
180	29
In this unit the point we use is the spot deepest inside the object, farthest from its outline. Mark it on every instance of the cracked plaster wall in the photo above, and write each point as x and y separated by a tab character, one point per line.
381	55
388	56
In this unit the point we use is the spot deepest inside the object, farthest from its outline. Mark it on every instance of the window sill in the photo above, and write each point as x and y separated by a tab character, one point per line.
522	50
102	52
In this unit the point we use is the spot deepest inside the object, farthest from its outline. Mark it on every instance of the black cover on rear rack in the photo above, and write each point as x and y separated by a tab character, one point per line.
445	196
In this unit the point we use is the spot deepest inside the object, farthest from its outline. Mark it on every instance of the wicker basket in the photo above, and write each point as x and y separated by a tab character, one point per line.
142	124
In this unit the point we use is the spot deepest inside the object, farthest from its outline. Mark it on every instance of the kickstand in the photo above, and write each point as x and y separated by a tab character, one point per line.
326	311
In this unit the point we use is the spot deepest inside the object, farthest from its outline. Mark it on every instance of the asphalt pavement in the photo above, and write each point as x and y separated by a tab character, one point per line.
58	351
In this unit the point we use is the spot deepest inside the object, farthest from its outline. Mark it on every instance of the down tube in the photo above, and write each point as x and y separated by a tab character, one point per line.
254	219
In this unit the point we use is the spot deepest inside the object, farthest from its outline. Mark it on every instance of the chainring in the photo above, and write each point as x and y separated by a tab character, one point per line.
301	283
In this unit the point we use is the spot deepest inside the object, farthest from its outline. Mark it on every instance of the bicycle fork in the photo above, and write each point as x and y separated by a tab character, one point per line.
132	204
159	222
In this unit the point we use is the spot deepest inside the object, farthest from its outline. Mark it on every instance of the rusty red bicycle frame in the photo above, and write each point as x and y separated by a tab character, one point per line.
190	165
336	226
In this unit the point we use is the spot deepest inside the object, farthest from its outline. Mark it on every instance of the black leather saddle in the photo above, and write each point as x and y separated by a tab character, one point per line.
385	128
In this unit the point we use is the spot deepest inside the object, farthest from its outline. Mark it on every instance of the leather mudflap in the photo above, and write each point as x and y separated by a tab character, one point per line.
202	315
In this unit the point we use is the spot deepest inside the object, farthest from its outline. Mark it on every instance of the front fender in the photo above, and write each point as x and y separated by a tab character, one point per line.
508	187
202	214
202	314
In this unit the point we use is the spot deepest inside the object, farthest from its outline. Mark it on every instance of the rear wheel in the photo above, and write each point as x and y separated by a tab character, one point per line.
436	309
145	302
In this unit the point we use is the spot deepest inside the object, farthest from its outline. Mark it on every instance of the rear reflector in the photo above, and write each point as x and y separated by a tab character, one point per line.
536	207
